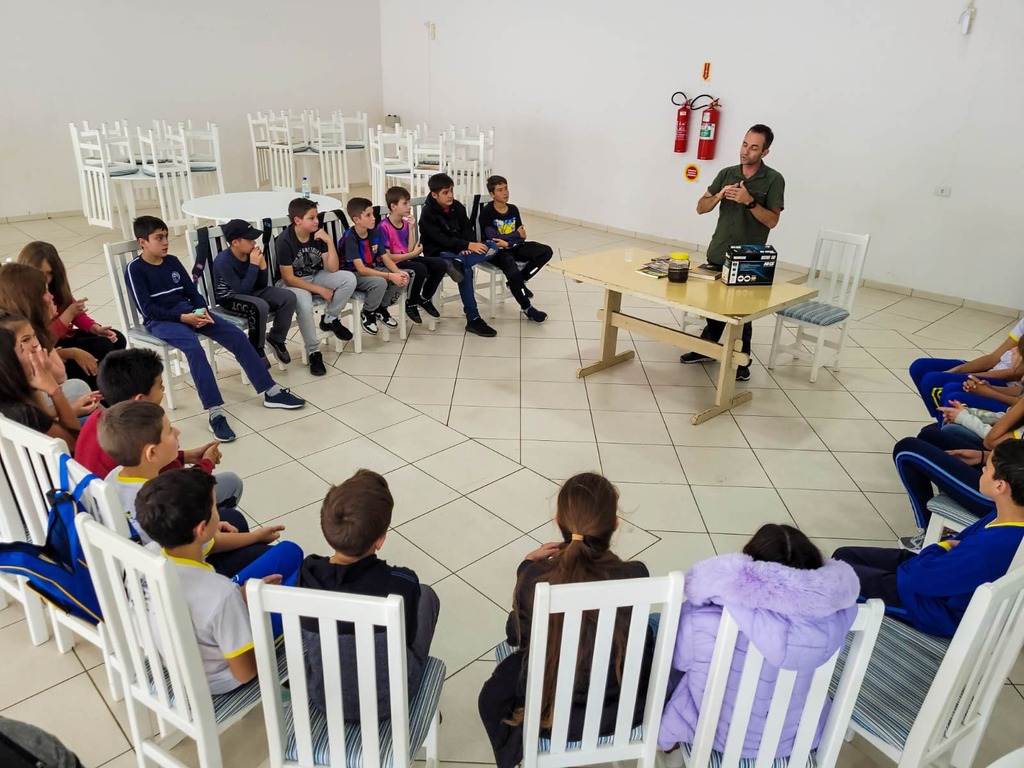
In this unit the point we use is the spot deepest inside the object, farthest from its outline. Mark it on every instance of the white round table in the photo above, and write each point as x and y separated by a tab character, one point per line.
250	206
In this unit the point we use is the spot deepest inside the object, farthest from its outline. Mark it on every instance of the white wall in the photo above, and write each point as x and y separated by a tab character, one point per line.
873	103
65	61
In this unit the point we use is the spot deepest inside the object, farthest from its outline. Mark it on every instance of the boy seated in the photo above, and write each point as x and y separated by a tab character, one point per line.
137	374
138	435
501	224
376	274
445	231
243	288
931	590
178	509
310	267
175	312
355	517
427	271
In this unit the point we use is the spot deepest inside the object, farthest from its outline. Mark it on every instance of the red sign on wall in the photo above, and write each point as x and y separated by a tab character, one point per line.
707	71
692	172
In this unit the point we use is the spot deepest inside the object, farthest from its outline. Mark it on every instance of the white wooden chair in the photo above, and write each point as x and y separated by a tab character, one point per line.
357	141
835	271
466	164
702	752
98	181
139	593
329	145
1014	759
259	139
166	160
640	597
202	149
301	735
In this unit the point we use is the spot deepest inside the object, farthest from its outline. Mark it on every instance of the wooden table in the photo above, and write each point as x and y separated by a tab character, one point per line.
732	305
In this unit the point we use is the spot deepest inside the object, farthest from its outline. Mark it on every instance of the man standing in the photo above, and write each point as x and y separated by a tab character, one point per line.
751	195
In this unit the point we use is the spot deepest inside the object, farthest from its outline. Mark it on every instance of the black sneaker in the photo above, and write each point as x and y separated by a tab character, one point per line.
413	313
385	317
455	269
430	309
316	364
280	351
221	429
695	357
535	314
480	328
527	292
743	373
336	328
369	322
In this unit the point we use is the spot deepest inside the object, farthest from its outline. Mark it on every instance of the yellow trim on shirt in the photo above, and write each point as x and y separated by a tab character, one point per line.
994	524
186	561
239	652
125	479
946	545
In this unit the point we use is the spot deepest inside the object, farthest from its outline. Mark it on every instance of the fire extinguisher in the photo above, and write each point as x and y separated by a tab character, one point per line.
682	120
708	130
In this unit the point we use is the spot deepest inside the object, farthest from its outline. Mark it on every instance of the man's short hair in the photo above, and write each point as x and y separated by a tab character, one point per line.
395	195
173	503
299	207
125	429
127	373
493	182
357	513
764	130
357	206
440	181
144	226
1008	465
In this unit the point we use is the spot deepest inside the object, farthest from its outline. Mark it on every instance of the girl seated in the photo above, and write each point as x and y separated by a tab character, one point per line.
791	603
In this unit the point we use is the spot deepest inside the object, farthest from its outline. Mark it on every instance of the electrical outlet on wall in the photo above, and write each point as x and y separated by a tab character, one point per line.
943	190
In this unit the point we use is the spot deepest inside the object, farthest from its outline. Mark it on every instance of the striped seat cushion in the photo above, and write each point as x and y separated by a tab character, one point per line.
355	145
202	167
816	313
140	335
421	712
239	322
749	762
945	507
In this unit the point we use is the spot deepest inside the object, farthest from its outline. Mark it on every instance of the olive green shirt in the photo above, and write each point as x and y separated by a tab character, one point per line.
736	223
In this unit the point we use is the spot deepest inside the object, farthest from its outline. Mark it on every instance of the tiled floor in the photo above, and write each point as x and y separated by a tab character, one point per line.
474	436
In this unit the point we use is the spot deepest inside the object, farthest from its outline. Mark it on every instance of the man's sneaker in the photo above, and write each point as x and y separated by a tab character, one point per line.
283	399
369	322
695	357
413	313
912	543
221	429
280	351
430	309
316	364
743	373
527	292
535	314
336	328
385	317
480	328
455	269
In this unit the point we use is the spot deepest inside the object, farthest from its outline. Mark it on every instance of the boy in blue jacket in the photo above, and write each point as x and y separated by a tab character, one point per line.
931	590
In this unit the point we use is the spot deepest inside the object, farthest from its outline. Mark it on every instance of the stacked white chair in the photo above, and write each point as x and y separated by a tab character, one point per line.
357	140
259	138
166	160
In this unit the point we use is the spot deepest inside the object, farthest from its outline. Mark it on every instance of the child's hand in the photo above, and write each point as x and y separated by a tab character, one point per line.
399	278
501	243
105	331
477	248
74	309
225	527
85	361
950	412
326	294
274	578
322	236
544	551
268	534
40	373
968	456
416	251
974	384
86	404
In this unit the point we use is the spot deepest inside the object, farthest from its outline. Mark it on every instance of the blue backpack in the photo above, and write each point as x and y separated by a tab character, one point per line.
57	570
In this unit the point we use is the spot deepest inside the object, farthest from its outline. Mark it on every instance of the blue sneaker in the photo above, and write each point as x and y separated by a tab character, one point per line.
283	399
221	429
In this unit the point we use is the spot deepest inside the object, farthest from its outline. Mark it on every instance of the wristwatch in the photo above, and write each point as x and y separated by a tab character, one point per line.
752	204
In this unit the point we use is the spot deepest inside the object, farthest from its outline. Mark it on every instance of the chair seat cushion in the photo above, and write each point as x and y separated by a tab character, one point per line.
355	145
202	167
421	712
748	762
945	507
239	322
816	313
140	335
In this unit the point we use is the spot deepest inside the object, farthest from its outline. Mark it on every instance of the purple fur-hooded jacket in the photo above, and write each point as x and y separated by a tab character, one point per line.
796	618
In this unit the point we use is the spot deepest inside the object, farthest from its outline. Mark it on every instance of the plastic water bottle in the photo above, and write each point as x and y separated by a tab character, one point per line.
305	187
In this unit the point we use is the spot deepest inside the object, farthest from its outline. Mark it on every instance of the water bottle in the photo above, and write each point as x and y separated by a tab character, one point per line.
305	187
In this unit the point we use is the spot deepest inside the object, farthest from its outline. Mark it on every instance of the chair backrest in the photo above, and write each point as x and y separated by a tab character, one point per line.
281	157
328	608
206	284
93	177
955	713
864	633
202	147
356	130
836	266
329	142
167	158
259	138
32	463
118	256
639	597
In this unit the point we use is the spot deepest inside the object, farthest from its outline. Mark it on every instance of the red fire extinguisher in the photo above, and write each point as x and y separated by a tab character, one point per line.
682	120
708	130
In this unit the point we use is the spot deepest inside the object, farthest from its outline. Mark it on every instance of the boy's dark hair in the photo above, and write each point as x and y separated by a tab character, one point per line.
144	226
357	206
439	181
494	181
784	544
128	427
299	207
173	503
126	373
1008	466
764	130
395	195
356	513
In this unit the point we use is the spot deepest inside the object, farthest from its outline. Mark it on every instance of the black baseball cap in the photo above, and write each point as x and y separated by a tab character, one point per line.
238	228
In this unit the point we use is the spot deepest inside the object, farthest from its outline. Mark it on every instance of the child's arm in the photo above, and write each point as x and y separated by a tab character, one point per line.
1008	395
395	274
1003	429
985	362
225	542
332	262
965	418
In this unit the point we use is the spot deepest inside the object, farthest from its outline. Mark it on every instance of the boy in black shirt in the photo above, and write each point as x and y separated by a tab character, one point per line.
501	223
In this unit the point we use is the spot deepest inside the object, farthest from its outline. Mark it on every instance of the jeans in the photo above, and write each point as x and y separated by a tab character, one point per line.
427	272
920	464
342	282
256	309
467	292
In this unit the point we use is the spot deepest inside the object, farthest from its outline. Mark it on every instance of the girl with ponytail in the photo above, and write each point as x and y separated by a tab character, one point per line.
586	516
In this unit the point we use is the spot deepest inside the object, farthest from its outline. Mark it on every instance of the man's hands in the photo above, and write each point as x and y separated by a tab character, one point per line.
197	321
737	193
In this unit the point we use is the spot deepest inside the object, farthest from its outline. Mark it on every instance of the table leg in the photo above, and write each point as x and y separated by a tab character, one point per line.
724	397
609	337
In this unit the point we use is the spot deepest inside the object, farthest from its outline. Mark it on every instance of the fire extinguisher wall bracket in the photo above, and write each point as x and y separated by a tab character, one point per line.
682	120
708	131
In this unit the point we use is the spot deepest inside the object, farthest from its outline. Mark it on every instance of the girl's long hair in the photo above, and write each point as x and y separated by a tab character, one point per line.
23	292
34	254
14	386
779	543
587	507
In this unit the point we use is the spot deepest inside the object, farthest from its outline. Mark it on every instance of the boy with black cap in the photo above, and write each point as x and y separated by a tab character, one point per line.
243	288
